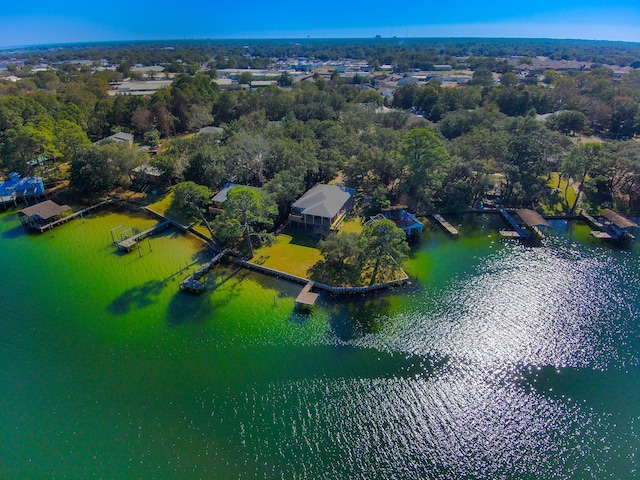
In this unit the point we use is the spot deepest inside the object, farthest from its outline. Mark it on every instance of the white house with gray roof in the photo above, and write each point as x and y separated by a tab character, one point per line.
321	209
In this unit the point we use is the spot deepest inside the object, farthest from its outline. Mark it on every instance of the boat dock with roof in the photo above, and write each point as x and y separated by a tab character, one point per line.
518	230
613	226
48	215
529	228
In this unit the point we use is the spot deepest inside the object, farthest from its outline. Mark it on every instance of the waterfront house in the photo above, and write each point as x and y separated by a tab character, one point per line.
321	209
41	214
148	174
15	187
221	197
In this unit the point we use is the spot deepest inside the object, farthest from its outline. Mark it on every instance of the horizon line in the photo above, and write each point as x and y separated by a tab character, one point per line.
308	38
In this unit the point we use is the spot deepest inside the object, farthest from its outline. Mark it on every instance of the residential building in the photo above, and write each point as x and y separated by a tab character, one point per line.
15	187
322	209
221	197
118	137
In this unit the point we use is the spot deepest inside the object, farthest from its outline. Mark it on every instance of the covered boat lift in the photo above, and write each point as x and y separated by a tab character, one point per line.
618	227
533	220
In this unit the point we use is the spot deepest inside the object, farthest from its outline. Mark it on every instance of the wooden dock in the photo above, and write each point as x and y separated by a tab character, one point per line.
613	227
509	234
77	214
450	229
129	243
591	221
599	235
193	283
306	298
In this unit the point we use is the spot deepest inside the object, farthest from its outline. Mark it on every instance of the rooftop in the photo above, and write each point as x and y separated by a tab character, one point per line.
323	200
44	210
532	218
618	220
221	196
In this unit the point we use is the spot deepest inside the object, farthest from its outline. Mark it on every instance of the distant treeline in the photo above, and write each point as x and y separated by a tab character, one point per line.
404	53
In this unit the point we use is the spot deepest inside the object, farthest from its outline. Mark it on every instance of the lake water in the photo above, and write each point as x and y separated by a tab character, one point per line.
499	361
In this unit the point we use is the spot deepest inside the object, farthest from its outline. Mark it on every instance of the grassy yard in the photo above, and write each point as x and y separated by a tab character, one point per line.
570	197
353	225
163	207
293	252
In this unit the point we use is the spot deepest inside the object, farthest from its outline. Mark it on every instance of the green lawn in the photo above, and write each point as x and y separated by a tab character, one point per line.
570	197
163	207
293	252
353	225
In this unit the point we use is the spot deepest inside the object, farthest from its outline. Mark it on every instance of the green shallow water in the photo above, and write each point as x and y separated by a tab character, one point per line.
499	361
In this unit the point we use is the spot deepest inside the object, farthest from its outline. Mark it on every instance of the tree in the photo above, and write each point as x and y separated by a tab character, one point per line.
622	166
567	122
244	211
142	119
285	80
68	137
532	152
341	259
383	246
425	159
191	197
99	168
370	97
152	138
578	163
482	77
24	143
509	79
245	78
168	163
92	172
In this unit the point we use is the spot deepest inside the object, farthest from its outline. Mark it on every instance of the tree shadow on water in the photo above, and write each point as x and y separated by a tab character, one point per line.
137	297
355	317
187	308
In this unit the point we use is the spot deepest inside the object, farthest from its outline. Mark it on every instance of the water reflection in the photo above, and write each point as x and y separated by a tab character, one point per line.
350	318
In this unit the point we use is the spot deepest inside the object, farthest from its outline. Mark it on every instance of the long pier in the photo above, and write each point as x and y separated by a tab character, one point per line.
450	229
128	243
77	214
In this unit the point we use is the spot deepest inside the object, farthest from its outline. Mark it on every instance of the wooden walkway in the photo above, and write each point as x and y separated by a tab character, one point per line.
444	224
77	214
128	243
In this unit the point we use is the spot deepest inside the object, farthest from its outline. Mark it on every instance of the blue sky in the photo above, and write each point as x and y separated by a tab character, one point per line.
35	22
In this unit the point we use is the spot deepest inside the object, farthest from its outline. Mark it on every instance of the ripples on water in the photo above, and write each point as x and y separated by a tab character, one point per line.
523	365
544	306
487	413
